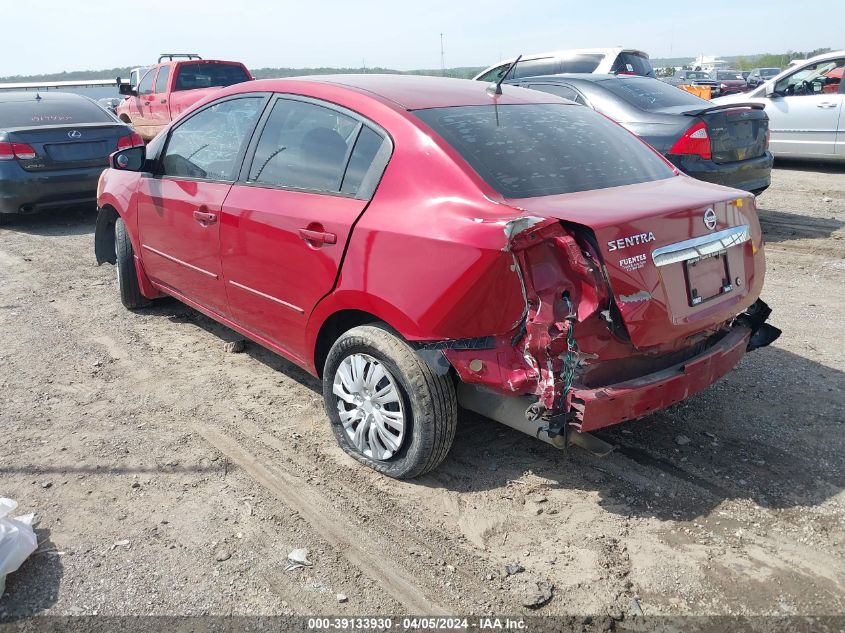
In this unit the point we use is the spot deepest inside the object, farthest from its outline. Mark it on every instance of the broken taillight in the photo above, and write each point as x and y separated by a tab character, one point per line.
696	141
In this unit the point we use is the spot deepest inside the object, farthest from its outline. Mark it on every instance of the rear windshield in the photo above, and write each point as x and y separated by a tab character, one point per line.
723	75
530	150
632	64
192	76
51	112
650	94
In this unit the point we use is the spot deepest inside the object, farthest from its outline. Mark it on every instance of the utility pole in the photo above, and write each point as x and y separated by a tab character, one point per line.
442	57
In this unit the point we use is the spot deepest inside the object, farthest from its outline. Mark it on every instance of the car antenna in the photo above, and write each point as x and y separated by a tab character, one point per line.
496	89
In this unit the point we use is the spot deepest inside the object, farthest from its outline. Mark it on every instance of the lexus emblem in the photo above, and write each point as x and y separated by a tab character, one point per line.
710	219
75	134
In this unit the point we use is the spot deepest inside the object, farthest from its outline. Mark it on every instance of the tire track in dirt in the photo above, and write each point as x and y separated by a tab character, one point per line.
361	551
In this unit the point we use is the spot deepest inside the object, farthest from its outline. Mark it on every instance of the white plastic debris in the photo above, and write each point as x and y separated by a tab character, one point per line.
298	558
17	540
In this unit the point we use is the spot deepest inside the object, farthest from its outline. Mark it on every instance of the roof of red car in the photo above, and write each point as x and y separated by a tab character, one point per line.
415	92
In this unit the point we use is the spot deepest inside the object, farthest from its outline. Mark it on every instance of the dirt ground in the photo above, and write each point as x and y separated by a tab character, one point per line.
171	477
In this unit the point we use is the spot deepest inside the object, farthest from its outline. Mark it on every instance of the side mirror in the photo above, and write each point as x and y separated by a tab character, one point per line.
126	89
770	90
132	159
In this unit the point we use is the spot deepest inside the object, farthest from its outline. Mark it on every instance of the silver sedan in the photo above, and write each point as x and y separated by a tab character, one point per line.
805	108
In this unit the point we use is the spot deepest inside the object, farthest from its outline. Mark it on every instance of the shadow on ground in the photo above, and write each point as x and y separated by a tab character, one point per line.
54	222
35	586
771	431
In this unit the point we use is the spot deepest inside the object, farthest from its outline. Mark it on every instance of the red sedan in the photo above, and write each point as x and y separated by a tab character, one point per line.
420	243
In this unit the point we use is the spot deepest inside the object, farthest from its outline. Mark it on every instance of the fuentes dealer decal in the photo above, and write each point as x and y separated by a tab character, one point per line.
632	263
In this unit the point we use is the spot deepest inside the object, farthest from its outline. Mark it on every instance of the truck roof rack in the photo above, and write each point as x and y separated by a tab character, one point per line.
170	56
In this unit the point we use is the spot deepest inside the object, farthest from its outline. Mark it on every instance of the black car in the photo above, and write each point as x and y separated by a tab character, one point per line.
53	147
726	144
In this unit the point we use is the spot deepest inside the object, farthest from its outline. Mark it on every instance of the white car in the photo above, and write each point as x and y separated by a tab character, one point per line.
605	61
805	108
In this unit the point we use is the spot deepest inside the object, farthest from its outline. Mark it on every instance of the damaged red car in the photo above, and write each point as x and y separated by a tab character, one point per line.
422	243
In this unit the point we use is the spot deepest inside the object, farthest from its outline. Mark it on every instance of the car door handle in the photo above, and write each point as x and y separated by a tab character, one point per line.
318	237
163	101
205	218
826	104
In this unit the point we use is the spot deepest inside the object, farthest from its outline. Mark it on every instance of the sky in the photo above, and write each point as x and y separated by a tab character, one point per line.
54	35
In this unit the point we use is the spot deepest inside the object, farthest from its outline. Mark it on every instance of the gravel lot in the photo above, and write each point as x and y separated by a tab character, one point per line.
171	477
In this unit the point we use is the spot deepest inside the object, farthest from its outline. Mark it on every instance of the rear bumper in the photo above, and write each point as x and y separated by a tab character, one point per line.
749	175
612	404
23	192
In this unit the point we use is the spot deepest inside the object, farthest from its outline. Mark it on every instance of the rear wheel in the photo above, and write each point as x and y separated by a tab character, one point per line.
757	192
127	276
388	408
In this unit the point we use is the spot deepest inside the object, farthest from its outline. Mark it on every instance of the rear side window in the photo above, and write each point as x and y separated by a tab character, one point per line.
304	146
567	92
51	112
535	67
582	63
209	75
161	80
651	94
208	145
632	64
366	164
530	150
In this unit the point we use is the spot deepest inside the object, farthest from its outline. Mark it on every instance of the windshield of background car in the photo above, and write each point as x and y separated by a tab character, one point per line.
725	75
51	112
769	72
651	94
524	151
193	76
697	75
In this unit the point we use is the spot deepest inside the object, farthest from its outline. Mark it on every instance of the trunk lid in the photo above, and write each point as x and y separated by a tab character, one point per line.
69	147
737	131
671	275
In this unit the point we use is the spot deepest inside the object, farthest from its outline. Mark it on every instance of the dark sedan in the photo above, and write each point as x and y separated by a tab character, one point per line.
53	148
726	145
730	81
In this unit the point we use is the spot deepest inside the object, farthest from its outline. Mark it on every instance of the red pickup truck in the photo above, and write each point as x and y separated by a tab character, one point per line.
172	86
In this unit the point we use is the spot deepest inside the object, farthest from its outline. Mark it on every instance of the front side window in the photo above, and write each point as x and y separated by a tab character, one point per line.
493	76
208	145
208	75
304	146
530	150
820	78
146	85
161	81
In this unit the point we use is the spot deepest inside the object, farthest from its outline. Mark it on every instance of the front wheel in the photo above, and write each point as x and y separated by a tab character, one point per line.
388	408
127	276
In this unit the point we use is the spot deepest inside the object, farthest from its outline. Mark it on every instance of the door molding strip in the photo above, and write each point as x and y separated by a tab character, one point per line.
179	261
258	293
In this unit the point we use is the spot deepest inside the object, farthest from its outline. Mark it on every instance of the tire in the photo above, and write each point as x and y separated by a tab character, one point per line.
127	276
757	192
426	403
